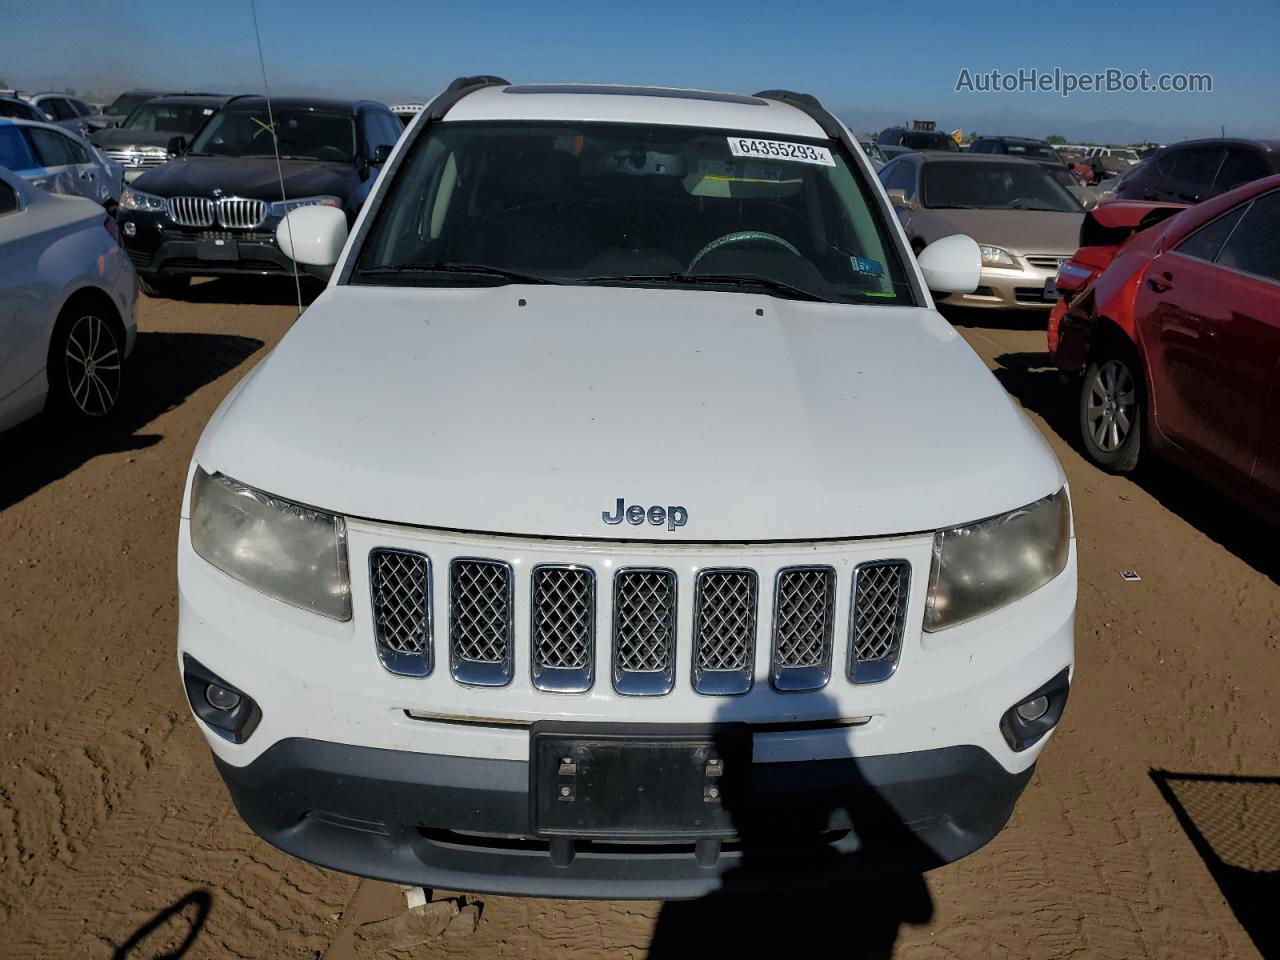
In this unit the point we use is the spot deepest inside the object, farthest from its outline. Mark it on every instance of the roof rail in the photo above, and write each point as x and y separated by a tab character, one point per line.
455	91
809	104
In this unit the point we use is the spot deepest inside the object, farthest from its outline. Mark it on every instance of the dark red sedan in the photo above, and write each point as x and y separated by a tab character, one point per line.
1170	317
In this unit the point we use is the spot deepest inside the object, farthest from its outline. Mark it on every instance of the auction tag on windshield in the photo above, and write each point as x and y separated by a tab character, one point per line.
780	150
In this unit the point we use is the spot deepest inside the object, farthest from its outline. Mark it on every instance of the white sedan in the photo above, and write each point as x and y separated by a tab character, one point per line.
67	297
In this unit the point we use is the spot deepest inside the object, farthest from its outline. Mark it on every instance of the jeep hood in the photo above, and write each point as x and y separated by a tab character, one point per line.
463	409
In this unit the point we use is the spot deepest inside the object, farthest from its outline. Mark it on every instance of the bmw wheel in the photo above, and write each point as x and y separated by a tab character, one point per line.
1111	406
86	365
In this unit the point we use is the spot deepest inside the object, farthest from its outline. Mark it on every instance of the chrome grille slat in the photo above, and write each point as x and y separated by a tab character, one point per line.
562	627
644	631
724	631
1046	262
135	158
238	213
877	618
191	211
480	625
803	619
400	587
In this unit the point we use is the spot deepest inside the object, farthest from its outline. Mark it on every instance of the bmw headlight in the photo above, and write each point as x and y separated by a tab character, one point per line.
287	551
132	199
996	256
281	207
982	566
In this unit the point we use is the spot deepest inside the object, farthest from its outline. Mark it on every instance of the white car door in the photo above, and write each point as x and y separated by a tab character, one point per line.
23	320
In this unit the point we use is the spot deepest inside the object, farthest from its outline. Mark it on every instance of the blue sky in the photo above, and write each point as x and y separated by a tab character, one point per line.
896	59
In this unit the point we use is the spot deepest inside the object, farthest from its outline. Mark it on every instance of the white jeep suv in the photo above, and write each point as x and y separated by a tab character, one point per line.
623	521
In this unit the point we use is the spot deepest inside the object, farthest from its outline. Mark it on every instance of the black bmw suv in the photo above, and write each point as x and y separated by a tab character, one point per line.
215	209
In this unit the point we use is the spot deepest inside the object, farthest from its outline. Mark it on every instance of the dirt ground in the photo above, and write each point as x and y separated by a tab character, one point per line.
117	838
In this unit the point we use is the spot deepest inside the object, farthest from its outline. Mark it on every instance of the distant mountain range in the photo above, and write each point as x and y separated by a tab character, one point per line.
1026	123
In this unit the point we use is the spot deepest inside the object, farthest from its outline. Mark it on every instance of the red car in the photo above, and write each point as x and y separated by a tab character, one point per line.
1170	317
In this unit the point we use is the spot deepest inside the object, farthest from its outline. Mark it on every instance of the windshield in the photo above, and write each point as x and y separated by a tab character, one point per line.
126	103
1037	151
304	134
614	203
167	118
924	140
993	186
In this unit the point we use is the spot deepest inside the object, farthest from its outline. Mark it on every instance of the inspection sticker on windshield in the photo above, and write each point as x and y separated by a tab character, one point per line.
780	150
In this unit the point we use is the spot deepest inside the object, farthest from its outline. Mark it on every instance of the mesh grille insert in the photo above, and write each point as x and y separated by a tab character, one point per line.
878	618
724	629
400	583
804	605
480	619
563	617
644	624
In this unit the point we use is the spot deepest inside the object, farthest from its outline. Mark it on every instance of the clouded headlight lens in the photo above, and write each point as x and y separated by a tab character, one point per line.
132	199
996	256
982	566
284	550
281	207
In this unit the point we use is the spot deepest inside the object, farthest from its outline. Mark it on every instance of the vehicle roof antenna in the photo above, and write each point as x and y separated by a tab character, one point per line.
275	146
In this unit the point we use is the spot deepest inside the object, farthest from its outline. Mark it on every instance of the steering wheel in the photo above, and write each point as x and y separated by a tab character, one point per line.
742	236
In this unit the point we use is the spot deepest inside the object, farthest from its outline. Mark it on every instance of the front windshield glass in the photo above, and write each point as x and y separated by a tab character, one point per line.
167	118
612	203
304	134
126	103
993	186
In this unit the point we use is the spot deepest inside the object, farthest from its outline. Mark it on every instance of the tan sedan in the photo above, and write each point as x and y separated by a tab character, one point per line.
1024	222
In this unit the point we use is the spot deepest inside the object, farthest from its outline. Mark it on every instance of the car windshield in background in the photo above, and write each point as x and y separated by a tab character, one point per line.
622	204
167	118
1035	151
925	140
23	111
994	186
126	103
304	134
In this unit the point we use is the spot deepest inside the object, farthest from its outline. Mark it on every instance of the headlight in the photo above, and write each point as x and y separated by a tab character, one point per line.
996	256
281	207
985	565
284	550
133	199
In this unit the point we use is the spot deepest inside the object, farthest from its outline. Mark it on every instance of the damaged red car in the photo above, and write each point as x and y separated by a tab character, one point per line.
1169	319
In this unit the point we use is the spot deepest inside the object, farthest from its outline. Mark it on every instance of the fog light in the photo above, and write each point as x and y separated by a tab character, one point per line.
130	228
224	699
1031	710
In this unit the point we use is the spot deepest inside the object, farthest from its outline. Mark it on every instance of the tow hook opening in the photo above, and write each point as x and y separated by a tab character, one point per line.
230	712
1026	722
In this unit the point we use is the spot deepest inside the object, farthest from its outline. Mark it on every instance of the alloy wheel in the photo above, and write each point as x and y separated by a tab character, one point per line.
92	361
1112	405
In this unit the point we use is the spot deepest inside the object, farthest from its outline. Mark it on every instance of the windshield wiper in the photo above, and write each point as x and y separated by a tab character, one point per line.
715	279
474	269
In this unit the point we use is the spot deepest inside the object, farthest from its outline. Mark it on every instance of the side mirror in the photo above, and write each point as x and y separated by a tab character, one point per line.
382	154
899	199
313	236
952	264
177	146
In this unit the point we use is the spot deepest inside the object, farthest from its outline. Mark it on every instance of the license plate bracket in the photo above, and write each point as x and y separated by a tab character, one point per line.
1051	289
620	783
217	249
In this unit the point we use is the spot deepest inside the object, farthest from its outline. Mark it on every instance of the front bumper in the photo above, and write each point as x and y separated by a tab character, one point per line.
159	247
463	823
1015	288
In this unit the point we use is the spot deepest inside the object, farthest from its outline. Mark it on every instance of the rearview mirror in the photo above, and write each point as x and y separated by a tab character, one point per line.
952	264
382	153
313	236
177	146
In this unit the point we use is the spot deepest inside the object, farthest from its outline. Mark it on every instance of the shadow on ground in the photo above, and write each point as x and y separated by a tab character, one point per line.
1234	824
994	319
164	370
1035	382
858	868
171	932
259	291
